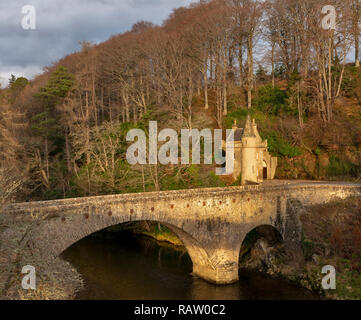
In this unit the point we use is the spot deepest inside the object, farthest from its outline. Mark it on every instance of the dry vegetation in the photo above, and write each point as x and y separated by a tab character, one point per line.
331	236
63	133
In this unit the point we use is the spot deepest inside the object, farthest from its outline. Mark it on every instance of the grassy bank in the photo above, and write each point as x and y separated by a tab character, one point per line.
159	233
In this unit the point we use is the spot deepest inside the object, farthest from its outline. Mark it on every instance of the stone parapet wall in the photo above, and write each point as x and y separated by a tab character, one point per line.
179	194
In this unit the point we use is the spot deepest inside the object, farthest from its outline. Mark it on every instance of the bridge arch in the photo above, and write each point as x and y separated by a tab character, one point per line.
267	232
55	240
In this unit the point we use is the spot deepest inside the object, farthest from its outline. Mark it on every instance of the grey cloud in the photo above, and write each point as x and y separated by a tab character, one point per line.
62	24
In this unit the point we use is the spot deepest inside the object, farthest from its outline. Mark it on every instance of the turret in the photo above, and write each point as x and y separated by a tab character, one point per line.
249	153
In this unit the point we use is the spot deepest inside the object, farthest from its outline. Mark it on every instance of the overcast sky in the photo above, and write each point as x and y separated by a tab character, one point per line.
62	24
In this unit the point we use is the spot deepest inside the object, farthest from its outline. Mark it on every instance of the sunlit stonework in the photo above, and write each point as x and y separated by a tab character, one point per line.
252	161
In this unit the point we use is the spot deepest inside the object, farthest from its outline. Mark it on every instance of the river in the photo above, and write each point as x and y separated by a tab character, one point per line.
134	267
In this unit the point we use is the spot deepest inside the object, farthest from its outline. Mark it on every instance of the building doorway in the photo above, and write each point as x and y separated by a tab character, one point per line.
265	172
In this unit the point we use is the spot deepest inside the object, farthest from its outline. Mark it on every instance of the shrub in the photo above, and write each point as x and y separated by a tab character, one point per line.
338	167
336	239
214	181
280	147
307	249
272	101
239	114
349	81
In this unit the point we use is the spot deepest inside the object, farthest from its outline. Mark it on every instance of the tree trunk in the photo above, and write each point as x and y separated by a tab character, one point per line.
273	64
67	152
46	151
250	70
87	129
225	111
357	51
240	63
205	78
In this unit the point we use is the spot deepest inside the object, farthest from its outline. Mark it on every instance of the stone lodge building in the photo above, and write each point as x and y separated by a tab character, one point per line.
251	157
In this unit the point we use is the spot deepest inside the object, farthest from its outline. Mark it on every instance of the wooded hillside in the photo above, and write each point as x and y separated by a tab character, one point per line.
63	133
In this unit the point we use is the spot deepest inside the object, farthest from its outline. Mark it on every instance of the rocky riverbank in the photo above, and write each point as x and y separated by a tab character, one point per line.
55	279
331	236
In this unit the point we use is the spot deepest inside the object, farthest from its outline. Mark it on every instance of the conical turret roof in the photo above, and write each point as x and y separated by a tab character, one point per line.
248	129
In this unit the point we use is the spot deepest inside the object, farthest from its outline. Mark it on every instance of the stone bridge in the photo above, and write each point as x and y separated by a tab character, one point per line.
212	223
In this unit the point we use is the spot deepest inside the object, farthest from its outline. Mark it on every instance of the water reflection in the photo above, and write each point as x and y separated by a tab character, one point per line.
131	267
